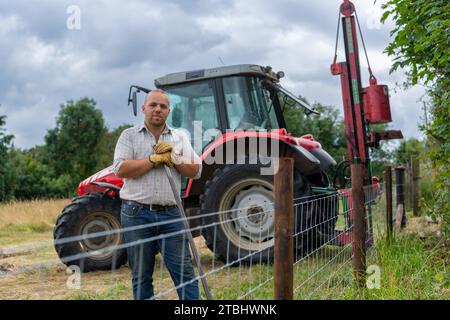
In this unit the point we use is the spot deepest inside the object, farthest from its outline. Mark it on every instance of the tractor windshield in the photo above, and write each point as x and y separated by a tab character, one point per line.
193	108
249	105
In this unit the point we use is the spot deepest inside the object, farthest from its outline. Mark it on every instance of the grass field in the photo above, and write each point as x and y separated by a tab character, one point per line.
414	265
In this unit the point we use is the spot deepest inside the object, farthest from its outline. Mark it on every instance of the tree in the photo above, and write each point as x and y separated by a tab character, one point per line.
421	38
420	47
72	148
327	127
5	173
108	145
78	147
33	179
407	149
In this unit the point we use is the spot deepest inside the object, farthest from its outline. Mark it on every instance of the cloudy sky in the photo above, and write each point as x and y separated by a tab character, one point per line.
47	56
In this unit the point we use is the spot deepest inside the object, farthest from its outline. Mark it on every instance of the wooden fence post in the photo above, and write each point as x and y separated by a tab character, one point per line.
359	224
400	188
416	186
284	222
409	194
388	191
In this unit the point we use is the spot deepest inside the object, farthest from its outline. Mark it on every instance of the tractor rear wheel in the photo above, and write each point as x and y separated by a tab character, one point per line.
87	214
242	230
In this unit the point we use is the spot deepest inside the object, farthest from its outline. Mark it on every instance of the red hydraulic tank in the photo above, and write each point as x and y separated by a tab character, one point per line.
376	102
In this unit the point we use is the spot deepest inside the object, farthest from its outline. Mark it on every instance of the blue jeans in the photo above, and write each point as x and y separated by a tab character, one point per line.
174	250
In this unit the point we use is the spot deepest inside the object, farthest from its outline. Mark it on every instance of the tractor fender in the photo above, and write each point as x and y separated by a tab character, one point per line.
304	161
324	157
100	182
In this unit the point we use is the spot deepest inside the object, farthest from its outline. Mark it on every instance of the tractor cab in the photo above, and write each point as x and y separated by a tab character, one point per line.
211	102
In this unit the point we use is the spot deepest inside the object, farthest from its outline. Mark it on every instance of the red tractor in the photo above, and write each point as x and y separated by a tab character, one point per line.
239	112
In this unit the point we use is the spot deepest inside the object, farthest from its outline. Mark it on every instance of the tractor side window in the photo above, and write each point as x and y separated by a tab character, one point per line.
293	112
249	106
193	108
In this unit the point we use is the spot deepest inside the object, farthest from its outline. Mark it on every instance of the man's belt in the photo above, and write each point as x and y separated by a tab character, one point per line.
151	207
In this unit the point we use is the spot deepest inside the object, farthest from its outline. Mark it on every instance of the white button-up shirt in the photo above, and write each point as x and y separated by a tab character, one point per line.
153	187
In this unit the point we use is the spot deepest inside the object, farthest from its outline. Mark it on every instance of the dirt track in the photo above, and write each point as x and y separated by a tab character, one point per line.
51	281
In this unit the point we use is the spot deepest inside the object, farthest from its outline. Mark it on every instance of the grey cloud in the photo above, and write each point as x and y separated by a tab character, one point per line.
203	7
138	33
46	18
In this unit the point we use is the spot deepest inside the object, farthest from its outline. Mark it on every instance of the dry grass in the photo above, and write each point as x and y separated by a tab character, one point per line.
50	282
33	212
422	226
28	221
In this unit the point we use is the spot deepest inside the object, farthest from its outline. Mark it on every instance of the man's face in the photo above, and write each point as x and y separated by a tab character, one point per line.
156	109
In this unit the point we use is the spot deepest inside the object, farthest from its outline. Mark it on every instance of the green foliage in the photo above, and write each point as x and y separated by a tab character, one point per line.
29	175
177	115
422	38
78	147
5	173
382	156
411	269
34	179
411	148
438	130
327	128
108	144
420	46
72	148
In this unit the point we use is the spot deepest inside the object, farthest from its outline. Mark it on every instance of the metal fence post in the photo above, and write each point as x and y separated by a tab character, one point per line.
284	222
416	186
359	224
388	191
400	188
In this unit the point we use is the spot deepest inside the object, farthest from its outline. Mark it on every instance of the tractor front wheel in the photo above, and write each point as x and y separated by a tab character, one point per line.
239	217
91	213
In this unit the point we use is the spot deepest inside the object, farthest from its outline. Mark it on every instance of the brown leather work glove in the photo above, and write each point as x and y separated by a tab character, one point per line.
165	158
162	147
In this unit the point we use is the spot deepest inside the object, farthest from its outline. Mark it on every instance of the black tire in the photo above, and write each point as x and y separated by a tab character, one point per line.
90	213
318	227
234	237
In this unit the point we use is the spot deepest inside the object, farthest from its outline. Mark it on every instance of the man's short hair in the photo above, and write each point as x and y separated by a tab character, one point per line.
160	91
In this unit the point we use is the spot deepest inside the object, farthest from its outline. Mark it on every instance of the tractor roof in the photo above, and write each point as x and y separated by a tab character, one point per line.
240	69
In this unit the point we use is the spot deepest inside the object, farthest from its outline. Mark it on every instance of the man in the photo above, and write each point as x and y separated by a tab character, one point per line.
147	199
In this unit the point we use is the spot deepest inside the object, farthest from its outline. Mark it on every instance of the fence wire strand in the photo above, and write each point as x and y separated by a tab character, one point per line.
239	267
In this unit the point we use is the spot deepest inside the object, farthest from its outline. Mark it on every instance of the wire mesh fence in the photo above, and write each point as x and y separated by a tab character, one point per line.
236	249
